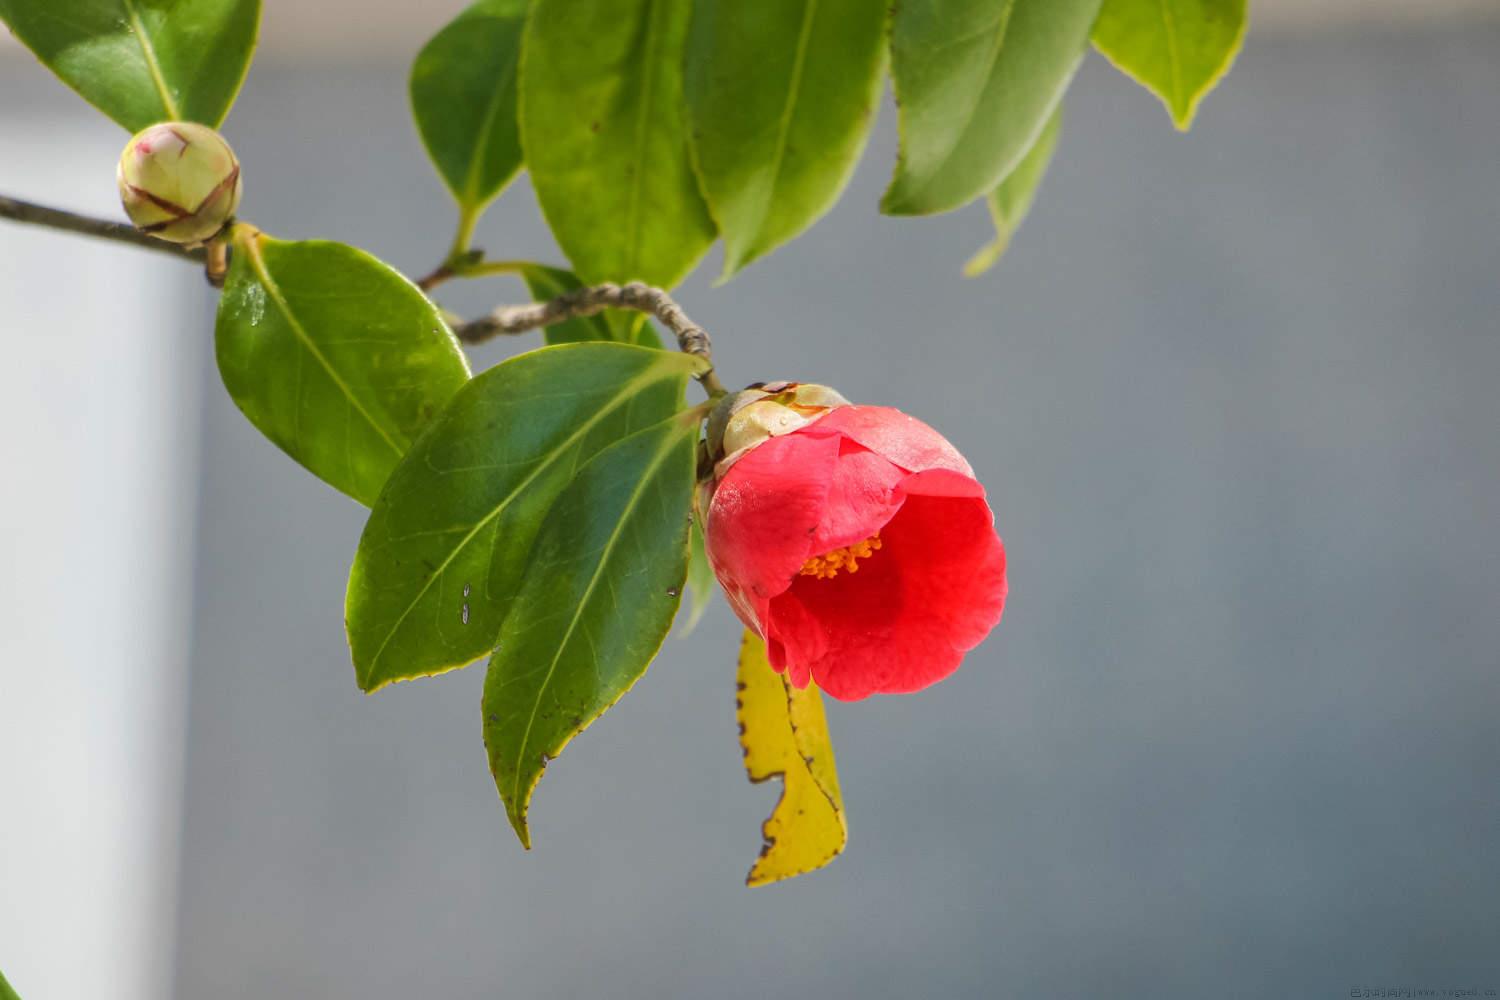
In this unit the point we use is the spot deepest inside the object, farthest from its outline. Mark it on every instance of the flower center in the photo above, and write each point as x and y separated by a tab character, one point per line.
827	565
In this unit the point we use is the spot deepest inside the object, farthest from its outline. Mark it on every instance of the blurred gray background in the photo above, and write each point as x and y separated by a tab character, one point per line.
1234	397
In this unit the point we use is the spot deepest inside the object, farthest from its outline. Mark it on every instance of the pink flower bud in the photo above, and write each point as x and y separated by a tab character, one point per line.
179	181
854	539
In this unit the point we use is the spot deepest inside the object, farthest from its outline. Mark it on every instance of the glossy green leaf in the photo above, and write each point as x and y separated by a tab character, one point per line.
598	597
611	325
333	355
784	734
1009	203
143	61
1177	49
463	95
6	992
605	135
781	97
444	549
976	81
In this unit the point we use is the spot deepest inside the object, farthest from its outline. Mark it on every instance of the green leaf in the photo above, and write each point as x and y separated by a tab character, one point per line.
611	325
781	96
333	355
463	95
1177	49
975	83
784	734
598	598
605	135
444	549
6	992
143	61
700	580
1009	203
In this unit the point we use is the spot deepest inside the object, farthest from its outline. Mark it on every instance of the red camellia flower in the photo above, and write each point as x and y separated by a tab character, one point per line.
854	539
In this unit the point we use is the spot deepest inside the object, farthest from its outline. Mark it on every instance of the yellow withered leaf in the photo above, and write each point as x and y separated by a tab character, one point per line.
785	735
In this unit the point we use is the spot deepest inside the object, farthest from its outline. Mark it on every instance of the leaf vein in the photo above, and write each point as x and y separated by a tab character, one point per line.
635	497
642	130
626	392
274	290
1174	60
148	51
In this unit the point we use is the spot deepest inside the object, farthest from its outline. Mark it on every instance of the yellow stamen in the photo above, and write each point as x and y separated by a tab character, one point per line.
827	565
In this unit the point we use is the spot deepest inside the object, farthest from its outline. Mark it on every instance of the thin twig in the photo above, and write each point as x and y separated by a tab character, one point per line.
691	338
433	278
457	265
470	264
55	218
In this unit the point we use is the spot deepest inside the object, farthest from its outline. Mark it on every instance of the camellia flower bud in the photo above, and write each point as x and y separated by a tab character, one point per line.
854	539
745	419
179	181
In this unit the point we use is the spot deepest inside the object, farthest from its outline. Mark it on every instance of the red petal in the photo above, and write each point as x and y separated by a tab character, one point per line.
764	514
905	619
790	498
941	483
888	432
861	499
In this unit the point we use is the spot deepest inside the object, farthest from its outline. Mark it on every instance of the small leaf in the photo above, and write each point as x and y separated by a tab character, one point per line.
1177	49
1009	203
781	95
6	991
700	580
975	83
611	325
442	555
600	591
463	96
605	135
785	735
333	355
143	61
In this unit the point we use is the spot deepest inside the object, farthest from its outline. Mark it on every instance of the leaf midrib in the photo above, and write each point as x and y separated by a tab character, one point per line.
626	391
258	262
669	442
148	52
482	137
1169	28
643	120
784	125
1002	31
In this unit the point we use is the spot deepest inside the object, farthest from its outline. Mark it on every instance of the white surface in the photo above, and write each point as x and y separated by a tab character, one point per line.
98	457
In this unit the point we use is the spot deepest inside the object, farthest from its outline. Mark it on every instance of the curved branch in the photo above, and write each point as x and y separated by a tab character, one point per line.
691	338
55	218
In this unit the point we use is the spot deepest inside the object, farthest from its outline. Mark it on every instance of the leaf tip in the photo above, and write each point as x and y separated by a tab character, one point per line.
1183	115
518	823
892	203
986	257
